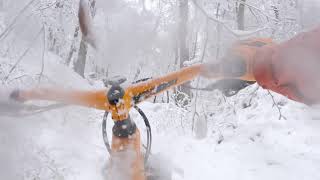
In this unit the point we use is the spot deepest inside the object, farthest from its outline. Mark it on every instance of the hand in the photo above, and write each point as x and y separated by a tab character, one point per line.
235	69
8	105
238	62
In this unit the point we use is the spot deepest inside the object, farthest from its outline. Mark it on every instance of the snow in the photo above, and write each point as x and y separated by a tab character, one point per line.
260	148
241	143
67	144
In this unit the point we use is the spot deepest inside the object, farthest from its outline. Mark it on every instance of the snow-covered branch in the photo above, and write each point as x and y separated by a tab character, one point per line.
237	33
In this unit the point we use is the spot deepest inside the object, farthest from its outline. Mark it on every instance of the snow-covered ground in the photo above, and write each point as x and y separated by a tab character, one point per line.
241	143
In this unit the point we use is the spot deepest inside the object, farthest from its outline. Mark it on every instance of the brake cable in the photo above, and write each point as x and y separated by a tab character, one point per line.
149	133
29	110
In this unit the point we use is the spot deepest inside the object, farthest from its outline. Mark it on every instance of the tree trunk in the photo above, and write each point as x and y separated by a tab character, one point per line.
73	48
201	127
240	15
183	44
300	5
219	29
1	5
80	64
183	26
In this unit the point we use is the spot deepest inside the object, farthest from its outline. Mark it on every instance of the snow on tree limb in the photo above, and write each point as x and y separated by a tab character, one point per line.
237	33
23	55
260	10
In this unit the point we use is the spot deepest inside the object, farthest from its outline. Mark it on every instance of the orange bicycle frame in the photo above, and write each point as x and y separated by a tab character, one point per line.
119	108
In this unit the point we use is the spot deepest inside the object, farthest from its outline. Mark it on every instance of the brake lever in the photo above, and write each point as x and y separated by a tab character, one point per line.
12	106
230	87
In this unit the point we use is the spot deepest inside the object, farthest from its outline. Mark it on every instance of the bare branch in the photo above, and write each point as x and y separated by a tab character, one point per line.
23	55
73	48
237	33
48	6
48	79
43	54
275	104
253	93
255	16
258	9
8	29
19	77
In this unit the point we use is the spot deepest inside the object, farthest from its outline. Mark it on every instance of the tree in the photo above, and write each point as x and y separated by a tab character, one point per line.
80	64
240	15
183	48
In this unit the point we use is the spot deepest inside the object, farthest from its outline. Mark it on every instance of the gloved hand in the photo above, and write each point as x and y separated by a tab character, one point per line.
8	105
235	69
238	62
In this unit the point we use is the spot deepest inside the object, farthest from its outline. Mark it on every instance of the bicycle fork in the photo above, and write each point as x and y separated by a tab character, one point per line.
127	160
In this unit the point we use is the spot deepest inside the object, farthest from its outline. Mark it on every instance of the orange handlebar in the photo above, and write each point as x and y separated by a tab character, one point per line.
133	94
94	99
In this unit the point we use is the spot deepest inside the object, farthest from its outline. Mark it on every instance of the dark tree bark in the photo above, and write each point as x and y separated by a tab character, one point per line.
276	12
